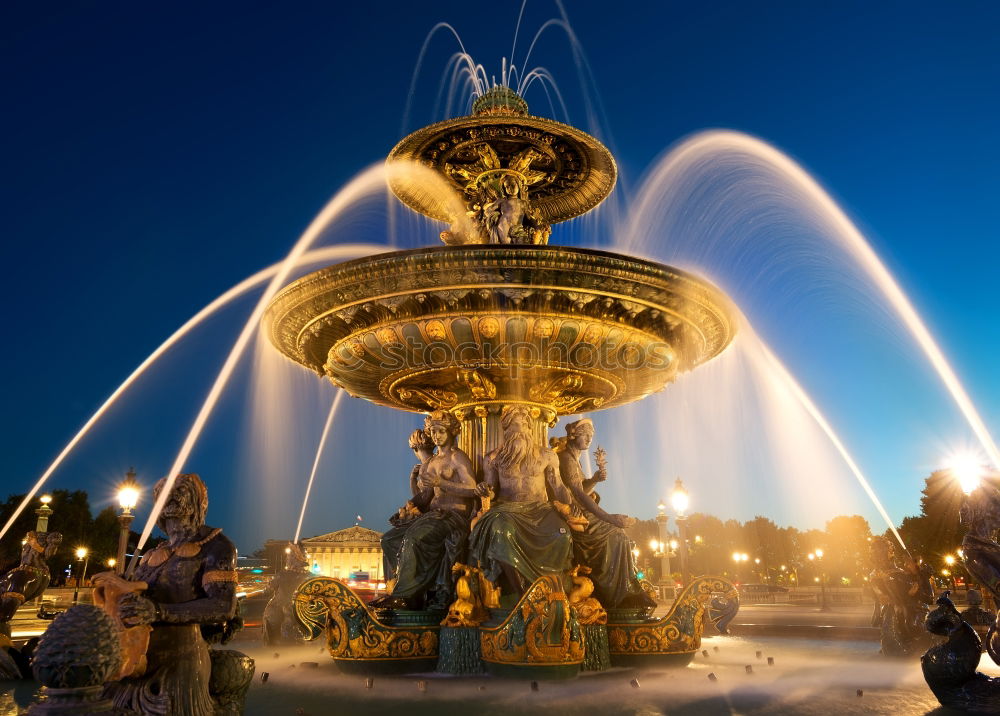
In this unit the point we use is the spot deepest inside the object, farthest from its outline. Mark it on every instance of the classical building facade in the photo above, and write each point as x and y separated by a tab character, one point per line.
345	552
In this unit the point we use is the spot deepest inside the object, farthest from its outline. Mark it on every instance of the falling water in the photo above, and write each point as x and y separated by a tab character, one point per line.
368	182
313	257
319	454
770	366
668	191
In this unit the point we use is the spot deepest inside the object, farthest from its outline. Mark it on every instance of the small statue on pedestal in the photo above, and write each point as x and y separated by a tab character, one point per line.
280	624
903	595
30	578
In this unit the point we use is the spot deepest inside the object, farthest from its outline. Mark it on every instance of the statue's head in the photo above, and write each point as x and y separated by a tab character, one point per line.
881	552
981	510
295	558
580	433
518	439
421	444
186	507
442	427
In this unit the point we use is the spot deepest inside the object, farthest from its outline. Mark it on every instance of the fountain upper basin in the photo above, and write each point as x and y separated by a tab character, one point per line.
567	329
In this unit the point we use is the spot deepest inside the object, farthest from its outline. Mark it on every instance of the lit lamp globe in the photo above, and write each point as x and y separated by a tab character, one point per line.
679	499
45	499
128	497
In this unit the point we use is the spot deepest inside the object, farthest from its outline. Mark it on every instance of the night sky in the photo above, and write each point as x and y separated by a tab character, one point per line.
157	154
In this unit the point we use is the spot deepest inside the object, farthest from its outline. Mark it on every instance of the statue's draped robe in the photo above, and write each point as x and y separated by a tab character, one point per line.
419	553
176	681
530	537
603	547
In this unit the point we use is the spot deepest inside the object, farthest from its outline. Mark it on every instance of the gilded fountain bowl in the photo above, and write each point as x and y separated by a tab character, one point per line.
445	327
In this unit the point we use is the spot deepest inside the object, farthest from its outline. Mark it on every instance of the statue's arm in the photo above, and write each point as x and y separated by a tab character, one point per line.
572	478
415	479
491	479
556	489
591	482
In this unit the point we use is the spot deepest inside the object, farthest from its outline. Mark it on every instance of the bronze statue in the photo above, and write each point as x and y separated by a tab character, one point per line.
602	545
903	594
430	532
950	667
186	591
523	536
30	578
980	551
280	625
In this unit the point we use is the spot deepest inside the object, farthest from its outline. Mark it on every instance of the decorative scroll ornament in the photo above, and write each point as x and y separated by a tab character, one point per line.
434	398
480	386
352	631
541	630
679	632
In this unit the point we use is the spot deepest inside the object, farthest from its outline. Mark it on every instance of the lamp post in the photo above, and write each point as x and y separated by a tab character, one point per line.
817	556
43	512
128	496
658	551
680	501
82	555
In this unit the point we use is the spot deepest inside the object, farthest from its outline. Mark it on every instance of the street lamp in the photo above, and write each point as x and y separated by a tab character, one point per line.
817	556
128	497
658	551
82	555
43	512
680	501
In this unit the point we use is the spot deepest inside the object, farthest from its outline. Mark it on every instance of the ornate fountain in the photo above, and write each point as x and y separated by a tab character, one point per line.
493	323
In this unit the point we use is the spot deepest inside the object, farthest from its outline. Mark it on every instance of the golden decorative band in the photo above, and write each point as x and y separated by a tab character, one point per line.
219	575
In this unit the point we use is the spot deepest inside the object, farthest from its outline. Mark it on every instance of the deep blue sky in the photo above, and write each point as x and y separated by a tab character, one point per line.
156	155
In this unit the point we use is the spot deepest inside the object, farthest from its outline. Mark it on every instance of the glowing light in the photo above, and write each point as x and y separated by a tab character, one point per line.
315	256
653	544
756	560
736	556
967	468
128	496
673	544
697	539
81	552
680	498
945	572
111	562
661	507
949	559
45	499
811	556
815	579
819	554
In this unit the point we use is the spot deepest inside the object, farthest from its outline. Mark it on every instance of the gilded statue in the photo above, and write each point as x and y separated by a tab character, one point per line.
430	532
522	536
602	545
